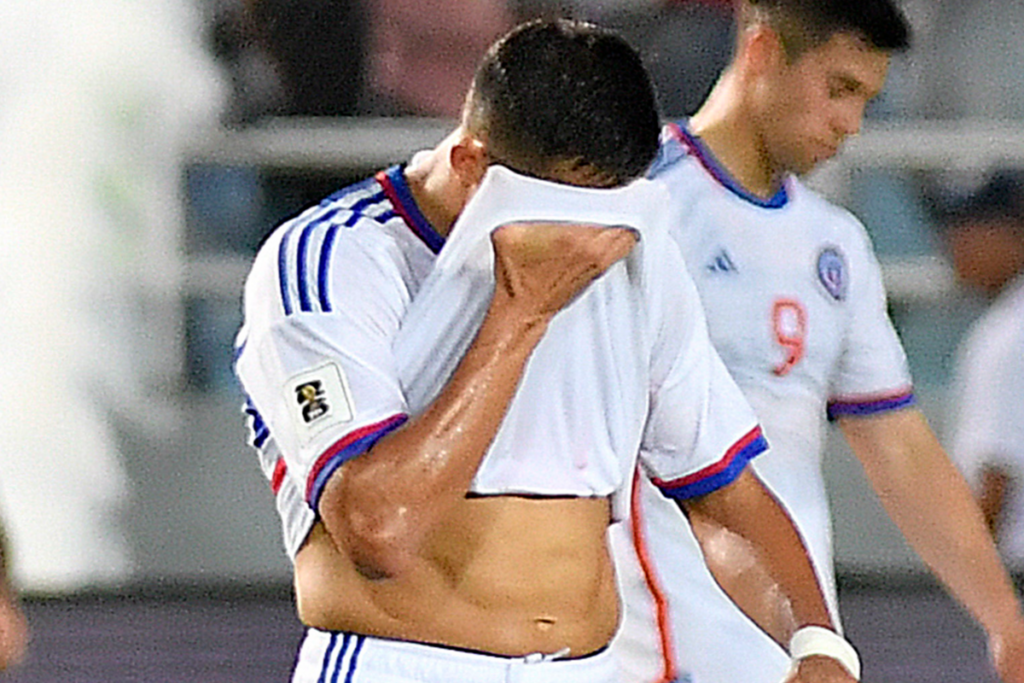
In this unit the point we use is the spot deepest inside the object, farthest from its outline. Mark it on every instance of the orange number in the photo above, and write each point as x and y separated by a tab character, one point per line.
789	322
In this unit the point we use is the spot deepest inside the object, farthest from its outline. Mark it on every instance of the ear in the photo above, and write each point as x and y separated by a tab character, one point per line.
468	159
761	50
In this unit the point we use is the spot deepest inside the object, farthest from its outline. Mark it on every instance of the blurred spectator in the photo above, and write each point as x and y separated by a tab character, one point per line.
424	52
95	100
986	237
316	46
685	43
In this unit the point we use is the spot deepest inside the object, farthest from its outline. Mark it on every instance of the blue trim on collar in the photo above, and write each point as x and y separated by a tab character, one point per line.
707	159
408	207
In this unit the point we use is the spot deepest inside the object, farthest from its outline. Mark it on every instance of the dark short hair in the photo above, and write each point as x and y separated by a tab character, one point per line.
1000	199
553	93
805	24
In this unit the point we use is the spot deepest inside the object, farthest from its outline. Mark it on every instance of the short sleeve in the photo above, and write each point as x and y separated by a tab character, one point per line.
701	432
872	375
319	368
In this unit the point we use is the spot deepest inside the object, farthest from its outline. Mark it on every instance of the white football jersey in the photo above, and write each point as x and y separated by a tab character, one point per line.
625	369
334	338
990	409
796	308
323	302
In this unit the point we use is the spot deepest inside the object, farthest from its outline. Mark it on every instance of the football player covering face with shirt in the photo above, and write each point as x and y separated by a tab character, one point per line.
796	309
404	569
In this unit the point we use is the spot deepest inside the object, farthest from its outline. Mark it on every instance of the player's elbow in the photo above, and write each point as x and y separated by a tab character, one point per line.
375	533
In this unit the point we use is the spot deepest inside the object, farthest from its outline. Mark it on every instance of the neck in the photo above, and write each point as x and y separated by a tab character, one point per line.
428	176
727	127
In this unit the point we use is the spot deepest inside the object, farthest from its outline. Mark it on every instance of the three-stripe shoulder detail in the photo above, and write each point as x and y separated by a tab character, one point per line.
304	252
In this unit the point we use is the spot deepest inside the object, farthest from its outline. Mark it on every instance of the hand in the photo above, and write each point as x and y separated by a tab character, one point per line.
13	632
819	670
1006	650
540	267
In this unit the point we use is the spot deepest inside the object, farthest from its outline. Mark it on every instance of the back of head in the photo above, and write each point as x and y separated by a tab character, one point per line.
806	24
565	101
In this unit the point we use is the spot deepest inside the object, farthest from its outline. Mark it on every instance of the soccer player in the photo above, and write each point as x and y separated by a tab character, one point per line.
796	309
986	238
404	570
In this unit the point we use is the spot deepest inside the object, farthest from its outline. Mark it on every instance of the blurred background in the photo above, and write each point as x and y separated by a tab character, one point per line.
147	147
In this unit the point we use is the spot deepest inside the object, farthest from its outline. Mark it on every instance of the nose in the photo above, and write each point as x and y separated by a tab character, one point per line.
847	119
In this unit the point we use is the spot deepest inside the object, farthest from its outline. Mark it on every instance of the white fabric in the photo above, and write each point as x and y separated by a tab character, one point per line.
756	266
334	656
990	409
370	263
625	368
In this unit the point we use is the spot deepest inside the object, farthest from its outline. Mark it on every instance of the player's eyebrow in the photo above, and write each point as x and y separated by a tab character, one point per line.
853	85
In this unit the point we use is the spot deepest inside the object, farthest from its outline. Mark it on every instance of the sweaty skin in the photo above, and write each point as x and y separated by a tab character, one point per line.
504	575
402	552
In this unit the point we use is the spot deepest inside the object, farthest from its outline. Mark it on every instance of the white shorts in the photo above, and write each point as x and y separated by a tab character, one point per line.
336	657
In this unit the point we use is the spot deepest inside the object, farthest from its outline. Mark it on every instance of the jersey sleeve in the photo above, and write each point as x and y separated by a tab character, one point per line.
701	432
314	354
872	375
989	426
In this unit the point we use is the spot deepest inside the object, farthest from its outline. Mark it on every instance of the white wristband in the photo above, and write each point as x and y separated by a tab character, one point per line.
811	641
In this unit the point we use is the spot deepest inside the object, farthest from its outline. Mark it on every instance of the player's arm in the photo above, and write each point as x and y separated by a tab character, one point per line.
380	506
755	553
932	505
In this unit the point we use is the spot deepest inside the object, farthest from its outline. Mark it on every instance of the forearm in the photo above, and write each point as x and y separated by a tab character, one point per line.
382	504
932	505
758	557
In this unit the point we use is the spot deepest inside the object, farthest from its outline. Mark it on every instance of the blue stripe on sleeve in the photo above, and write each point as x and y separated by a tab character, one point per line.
282	271
325	266
303	254
723	477
868	408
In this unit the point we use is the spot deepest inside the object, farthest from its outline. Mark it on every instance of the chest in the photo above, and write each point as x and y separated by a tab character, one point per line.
775	293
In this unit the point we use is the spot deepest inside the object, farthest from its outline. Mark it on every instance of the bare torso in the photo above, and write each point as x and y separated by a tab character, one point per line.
507	575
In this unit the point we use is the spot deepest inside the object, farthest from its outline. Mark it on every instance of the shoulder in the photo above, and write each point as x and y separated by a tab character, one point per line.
349	239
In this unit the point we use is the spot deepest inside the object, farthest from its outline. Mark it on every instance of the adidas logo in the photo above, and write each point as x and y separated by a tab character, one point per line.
721	263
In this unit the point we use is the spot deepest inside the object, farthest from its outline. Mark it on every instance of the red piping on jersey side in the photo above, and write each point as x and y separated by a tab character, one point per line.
344	443
280	470
713	469
660	601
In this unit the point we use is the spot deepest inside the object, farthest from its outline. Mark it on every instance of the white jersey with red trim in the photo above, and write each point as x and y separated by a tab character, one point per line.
625	369
325	298
335	339
796	309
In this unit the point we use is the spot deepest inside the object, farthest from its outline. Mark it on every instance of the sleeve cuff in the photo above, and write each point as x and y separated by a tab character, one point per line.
721	473
350	446
870	405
